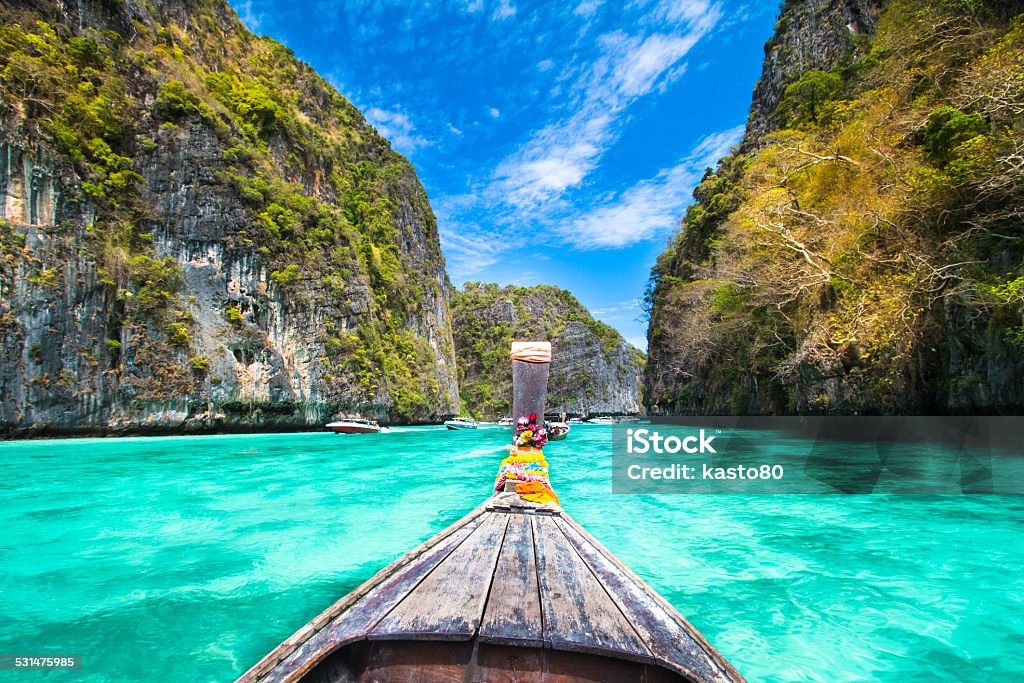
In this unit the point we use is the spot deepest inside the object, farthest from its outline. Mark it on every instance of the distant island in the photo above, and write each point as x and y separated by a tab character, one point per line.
594	371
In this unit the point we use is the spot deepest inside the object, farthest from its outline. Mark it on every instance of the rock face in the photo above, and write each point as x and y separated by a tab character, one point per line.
861	252
810	34
594	371
197	232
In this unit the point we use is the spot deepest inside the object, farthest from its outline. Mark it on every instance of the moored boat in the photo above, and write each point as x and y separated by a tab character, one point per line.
505	422
603	420
557	431
461	423
353	426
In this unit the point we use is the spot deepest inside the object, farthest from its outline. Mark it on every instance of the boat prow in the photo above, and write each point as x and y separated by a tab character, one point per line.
516	591
513	591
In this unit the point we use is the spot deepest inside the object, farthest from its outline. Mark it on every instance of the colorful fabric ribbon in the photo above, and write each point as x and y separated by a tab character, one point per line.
536	492
529	471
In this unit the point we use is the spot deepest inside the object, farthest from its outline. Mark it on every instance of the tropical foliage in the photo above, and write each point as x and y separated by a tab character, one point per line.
862	258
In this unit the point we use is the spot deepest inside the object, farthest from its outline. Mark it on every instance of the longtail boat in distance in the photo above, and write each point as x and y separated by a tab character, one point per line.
515	591
557	431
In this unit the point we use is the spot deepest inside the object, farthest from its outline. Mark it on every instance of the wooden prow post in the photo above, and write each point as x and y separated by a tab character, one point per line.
531	361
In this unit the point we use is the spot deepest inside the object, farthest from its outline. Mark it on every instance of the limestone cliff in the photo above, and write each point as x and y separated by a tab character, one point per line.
809	35
594	371
197	232
862	251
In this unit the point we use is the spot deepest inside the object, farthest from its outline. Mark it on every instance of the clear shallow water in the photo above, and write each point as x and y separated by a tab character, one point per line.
188	558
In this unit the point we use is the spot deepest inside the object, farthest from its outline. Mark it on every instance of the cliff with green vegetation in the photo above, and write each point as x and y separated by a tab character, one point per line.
197	232
594	371
863	251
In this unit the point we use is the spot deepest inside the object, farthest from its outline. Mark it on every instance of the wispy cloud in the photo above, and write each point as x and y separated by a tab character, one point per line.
616	310
397	127
587	8
562	154
504	10
542	185
652	206
251	18
469	246
623	315
649	209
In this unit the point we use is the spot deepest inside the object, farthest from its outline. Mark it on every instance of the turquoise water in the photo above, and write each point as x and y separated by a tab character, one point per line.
188	558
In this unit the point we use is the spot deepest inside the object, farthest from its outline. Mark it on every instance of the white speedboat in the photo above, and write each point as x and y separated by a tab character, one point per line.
505	422
460	423
604	420
575	420
353	426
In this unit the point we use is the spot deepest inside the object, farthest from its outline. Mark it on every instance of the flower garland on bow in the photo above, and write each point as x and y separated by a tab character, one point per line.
528	433
527	469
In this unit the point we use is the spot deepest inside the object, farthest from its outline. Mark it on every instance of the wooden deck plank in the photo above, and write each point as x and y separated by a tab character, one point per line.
578	614
449	603
667	634
513	615
353	623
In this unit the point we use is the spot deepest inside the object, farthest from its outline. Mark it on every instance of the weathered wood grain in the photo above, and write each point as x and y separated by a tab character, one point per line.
508	664
263	670
513	613
353	623
668	635
449	603
578	614
529	389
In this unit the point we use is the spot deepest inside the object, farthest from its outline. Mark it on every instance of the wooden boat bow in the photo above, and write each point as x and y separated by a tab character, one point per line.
513	591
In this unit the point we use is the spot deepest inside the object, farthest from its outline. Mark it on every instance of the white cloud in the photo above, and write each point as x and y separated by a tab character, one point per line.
453	129
494	112
681	10
397	127
250	18
616	310
713	147
649	209
469	249
534	189
561	155
645	61
504	10
587	8
625	316
652	206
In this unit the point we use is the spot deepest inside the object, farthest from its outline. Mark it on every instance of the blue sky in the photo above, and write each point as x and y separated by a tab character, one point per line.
559	143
